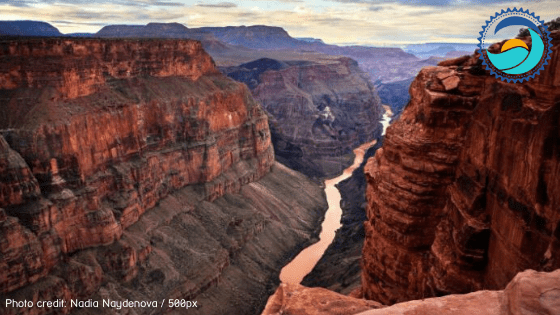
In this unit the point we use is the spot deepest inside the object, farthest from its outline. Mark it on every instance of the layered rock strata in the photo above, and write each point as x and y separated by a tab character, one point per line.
319	112
129	169
465	192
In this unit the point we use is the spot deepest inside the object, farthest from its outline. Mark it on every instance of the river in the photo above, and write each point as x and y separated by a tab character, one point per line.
303	263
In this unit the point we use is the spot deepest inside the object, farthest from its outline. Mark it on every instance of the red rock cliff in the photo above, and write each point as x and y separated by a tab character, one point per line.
97	132
465	192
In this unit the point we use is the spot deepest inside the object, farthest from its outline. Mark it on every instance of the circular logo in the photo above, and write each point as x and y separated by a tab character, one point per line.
517	59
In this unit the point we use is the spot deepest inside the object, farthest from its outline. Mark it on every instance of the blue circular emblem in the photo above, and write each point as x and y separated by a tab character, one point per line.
515	61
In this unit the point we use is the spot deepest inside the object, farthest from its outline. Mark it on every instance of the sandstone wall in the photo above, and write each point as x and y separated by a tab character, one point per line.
94	133
465	192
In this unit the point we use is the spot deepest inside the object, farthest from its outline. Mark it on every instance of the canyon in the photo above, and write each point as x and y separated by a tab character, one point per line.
320	106
132	169
462	197
319	111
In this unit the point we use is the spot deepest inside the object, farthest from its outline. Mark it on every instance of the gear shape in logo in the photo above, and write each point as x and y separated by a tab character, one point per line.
516	62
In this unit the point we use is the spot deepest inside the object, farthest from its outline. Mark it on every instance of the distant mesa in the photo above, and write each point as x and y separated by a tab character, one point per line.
255	37
438	49
28	28
164	30
155	30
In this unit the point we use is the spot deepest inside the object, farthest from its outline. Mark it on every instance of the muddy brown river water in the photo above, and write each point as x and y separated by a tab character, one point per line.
303	263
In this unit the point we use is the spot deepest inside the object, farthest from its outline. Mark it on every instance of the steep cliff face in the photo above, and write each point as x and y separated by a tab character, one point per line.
97	132
318	112
465	192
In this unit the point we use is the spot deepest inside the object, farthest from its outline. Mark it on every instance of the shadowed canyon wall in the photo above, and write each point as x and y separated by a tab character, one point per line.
465	192
319	111
133	169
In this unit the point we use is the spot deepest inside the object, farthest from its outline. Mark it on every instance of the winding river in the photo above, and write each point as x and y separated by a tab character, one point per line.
303	263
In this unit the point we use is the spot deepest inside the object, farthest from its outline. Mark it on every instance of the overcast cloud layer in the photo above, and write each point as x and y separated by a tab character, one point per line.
348	22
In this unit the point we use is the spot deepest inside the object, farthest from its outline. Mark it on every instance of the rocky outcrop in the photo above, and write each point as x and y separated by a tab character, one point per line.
465	192
225	254
60	69
130	169
295	299
529	293
318	112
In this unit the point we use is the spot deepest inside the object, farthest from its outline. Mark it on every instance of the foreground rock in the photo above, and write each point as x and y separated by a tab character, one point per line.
465	192
132	169
529	293
319	112
294	299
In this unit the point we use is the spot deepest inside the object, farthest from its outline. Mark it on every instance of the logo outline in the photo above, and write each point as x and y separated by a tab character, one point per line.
545	37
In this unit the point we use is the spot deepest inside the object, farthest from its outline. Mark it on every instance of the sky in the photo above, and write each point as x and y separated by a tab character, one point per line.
341	22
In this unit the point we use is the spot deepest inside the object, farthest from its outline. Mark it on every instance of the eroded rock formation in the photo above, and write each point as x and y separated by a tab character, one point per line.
295	299
529	293
129	170
319	112
465	192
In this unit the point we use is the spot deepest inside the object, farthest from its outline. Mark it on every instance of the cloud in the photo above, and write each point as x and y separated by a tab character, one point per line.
365	22
218	5
327	20
433	3
16	3
130	3
78	23
283	1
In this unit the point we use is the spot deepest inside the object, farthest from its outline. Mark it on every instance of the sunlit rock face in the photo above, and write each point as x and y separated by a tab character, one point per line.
134	169
319	111
529	293
465	192
295	299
